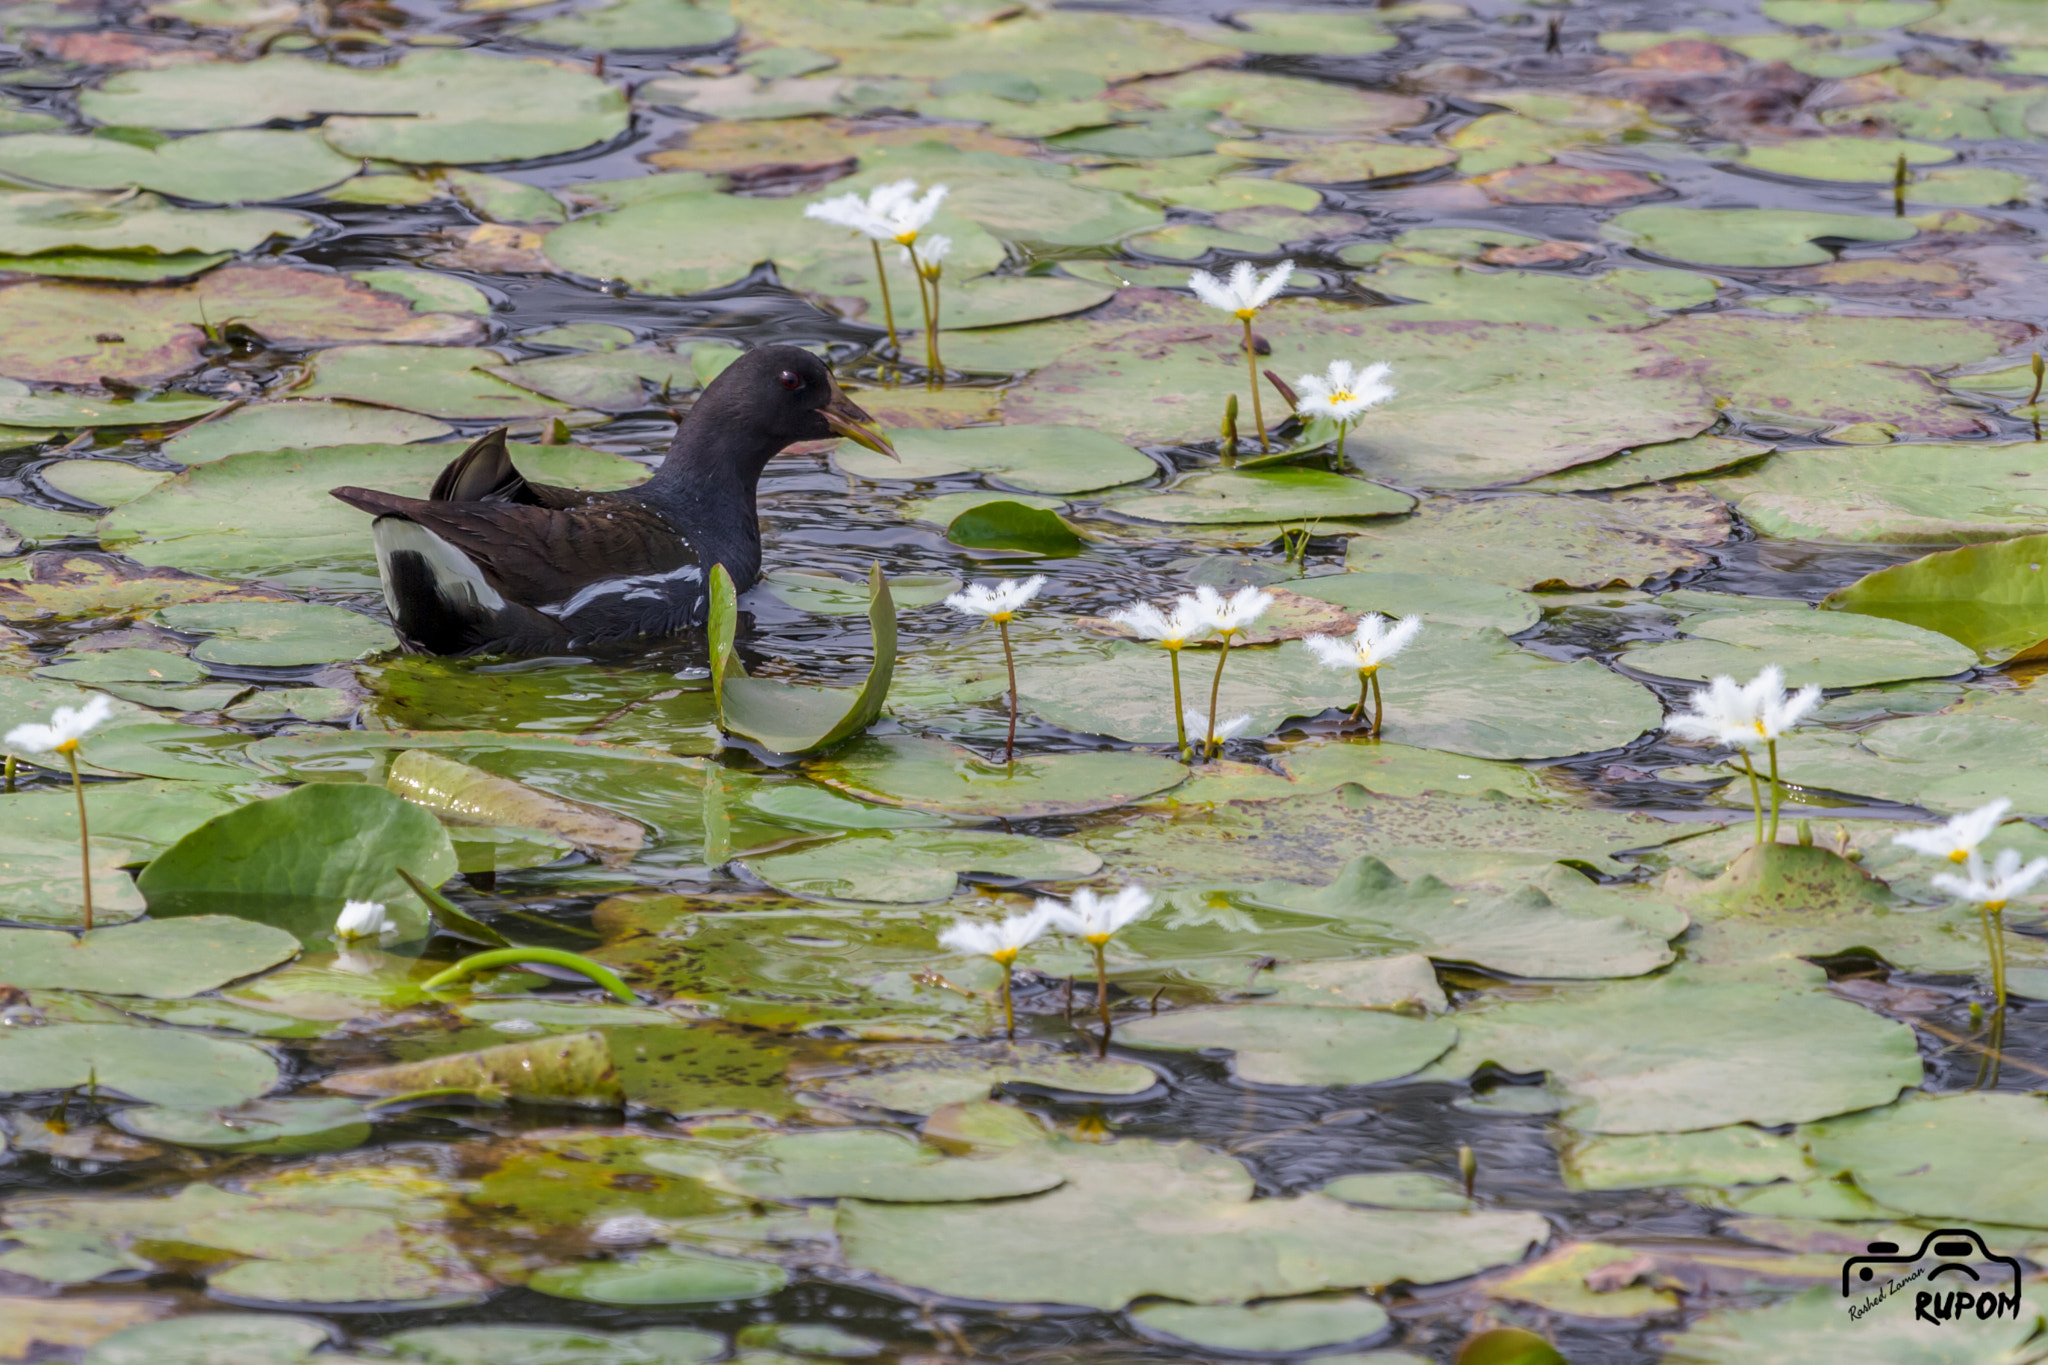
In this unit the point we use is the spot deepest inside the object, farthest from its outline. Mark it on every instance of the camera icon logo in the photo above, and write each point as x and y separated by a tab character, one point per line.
1961	1275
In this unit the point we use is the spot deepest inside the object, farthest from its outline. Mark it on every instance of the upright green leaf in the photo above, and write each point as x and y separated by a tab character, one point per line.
790	719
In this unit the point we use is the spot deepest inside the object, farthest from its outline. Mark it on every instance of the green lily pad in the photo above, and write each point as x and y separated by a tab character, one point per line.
131	823
790	719
163	959
244	166
282	1127
444	381
106	482
637	25
923	1080
1662	463
1741	1155
1809	1326
1444	601
1927	1156
572	1068
1746	237
1549	542
1262	495
429	292
76	226
278	634
1990	598
1865	160
1005	524
1676	1054
1397	1190
66	411
267	513
155	1065
1912	494
440	107
471	795
125	665
1606	301
214	1339
66	333
523	1345
1525	933
923	774
863	1163
1282	1325
1301	1044
1226	1247
292	860
274	426
831	595
910	866
660	1277
1044	459
1833	649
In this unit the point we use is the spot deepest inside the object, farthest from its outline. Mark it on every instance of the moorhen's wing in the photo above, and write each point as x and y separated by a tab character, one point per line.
485	473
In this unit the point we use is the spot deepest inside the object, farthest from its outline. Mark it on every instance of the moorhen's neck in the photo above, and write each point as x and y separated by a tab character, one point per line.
706	486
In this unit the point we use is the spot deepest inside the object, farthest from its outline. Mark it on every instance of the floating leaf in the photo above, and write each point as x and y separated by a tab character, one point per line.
1927	1156
1991	598
155	1065
661	1277
1746	237
214	1339
446	381
517	1344
1809	1326
272	426
471	794
574	1068
637	25
1866	160
1281	1325
864	1163
246	166
292	860
1832	649
901	770
790	719
1261	495
1043	459
282	1127
1003	524
910	866
166	960
921	1080
831	595
1301	1044
278	634
1440	600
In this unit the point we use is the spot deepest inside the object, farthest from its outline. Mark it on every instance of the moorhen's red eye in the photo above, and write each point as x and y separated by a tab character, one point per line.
792	381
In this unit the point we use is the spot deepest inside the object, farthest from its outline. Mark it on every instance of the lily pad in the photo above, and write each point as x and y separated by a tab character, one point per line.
1927	1156
1661	463
214	1339
637	25
244	166
1441	600
863	1163
59	333
923	1080
923	774
1263	495
274	426
155	1065
292	860
467	794
676	1275
1751	238
445	381
518	1344
267	513
573	1068
1226	1248
910	866
442	107
830	595
106	482
1676	1054
1300	1044
162	959
1833	649
1280	1325
1808	1326
1864	160
1990	598
277	634
282	1127
1042	459
790	719
74	229
1525	933
1741	1155
1013	526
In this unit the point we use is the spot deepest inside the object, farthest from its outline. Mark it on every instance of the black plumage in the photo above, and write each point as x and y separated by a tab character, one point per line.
490	562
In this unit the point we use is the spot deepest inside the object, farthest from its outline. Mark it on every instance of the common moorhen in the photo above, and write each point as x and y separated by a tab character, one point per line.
490	563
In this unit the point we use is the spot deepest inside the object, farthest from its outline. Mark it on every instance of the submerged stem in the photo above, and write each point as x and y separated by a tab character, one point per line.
888	310
1010	660
1251	363
84	839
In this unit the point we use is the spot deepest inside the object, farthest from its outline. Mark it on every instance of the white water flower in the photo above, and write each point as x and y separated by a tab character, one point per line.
1745	717
1958	838
1095	919
927	254
1197	720
890	213
1187	621
363	919
1001	941
999	603
1345	392
1374	642
68	725
1229	615
2005	880
1245	292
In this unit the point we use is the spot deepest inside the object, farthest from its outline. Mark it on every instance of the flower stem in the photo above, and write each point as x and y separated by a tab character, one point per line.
888	310
1337	459
553	957
84	840
924	299
1102	1000
1379	706
1010	659
932	341
1364	691
1180	724
1777	791
1251	363
1009	1006
1998	956
1209	745
1756	799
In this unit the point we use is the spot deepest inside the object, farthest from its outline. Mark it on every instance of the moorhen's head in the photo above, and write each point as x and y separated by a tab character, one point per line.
786	395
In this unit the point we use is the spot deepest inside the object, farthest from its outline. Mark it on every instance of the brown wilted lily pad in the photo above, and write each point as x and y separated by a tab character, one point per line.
1555	184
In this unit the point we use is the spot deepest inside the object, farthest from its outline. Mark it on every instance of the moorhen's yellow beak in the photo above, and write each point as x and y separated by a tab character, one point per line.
846	418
